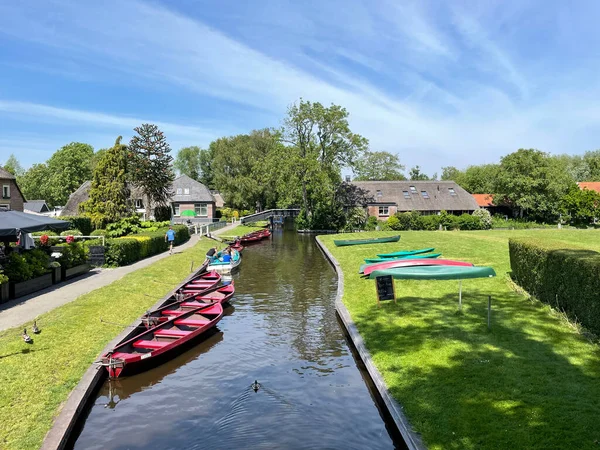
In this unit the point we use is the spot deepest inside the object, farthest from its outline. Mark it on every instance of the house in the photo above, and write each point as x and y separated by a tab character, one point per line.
12	197
219	201
191	200
591	185
426	197
37	206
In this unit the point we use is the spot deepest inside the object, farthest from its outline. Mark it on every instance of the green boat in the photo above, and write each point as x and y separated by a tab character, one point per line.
381	240
405	253
378	260
435	273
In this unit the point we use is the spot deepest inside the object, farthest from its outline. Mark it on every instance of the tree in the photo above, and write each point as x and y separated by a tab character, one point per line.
151	164
533	183
109	193
34	183
239	168
68	168
320	144
478	179
581	206
378	166
13	166
187	162
205	163
416	174
451	173
592	163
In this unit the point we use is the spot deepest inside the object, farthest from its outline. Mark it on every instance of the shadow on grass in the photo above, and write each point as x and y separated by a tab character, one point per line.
527	383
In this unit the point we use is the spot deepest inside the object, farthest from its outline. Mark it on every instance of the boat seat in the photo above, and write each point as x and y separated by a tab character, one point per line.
171	333
193	304
172	312
192	322
122	355
153	345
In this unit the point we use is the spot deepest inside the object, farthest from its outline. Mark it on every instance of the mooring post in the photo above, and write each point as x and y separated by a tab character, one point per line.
460	295
489	312
192	266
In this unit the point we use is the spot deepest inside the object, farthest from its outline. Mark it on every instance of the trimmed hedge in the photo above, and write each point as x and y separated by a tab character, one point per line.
565	277
129	249
84	224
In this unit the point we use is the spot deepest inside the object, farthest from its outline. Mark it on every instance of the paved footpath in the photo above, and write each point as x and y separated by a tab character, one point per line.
25	309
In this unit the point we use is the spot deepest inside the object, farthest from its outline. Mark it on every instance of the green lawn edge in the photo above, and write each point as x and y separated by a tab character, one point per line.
240	230
36	379
531	382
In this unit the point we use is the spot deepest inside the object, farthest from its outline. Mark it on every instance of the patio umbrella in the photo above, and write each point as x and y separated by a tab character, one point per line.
188	213
11	222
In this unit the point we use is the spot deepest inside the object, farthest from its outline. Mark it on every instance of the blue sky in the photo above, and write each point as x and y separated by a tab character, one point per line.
439	83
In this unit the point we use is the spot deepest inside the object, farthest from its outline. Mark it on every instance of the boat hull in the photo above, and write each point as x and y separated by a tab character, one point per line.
398	258
405	253
346	242
366	269
435	273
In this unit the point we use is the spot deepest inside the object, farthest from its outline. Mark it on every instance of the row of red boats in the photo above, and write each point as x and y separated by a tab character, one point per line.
194	308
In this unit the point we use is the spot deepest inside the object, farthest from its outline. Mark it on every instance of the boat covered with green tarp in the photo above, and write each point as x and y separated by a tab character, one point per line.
405	253
381	240
435	273
378	260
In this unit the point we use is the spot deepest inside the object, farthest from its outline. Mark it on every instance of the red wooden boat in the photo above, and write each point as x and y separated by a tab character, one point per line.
153	346
255	236
205	281
368	268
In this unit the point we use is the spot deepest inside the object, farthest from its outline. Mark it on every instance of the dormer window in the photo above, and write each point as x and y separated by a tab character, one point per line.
379	194
179	191
452	191
186	191
406	194
413	190
424	194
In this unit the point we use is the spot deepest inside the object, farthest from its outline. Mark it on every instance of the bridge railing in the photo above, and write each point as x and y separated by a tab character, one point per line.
263	215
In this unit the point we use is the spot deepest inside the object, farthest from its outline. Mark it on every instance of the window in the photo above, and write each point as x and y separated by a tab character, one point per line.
139	204
201	209
186	191
413	190
176	209
179	191
406	194
384	211
379	194
6	191
452	191
424	194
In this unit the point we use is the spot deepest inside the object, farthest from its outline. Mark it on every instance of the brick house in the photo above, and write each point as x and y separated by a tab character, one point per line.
12	197
426	197
191	195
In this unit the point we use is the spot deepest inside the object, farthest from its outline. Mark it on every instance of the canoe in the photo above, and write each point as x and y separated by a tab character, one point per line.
405	253
435	273
366	269
200	283
381	240
398	258
217	294
153	346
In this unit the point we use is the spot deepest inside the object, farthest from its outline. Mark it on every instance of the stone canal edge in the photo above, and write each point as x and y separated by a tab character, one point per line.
411	438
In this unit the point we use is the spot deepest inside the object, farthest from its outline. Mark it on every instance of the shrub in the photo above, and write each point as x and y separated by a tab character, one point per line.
162	213
469	222
98	232
3	279
394	223
356	219
47	233
371	224
72	254
485	218
123	227
79	223
564	277
71	233
430	223
38	262
17	269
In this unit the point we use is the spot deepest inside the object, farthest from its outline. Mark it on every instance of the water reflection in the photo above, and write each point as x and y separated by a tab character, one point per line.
284	334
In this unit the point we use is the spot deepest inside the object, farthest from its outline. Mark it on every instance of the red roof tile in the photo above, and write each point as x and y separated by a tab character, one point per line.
483	200
591	185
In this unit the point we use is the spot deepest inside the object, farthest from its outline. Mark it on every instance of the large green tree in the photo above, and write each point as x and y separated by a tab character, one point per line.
187	161
533	183
151	165
13	166
415	174
239	168
451	173
109	194
34	183
320	144
68	168
580	206
378	166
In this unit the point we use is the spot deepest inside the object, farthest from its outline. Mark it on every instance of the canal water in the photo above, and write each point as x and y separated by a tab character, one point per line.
281	330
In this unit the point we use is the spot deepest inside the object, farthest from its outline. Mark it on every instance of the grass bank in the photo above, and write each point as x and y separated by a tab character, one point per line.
36	379
531	382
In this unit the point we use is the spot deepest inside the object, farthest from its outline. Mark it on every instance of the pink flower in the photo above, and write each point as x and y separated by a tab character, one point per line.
70	239
44	239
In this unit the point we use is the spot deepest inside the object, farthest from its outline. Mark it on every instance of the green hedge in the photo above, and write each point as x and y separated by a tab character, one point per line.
129	249
84	224
565	277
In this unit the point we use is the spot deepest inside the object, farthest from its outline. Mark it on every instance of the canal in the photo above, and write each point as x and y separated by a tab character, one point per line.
280	330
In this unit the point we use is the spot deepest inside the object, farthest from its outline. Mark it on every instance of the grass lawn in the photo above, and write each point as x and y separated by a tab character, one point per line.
530	382
36	379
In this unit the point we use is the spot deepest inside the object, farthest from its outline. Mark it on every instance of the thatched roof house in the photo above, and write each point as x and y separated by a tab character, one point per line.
81	195
427	197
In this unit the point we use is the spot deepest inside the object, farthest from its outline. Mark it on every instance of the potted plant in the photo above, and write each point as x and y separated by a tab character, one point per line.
4	288
56	271
73	259
28	272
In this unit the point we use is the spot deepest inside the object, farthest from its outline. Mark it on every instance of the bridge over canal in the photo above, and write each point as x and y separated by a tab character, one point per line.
265	215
